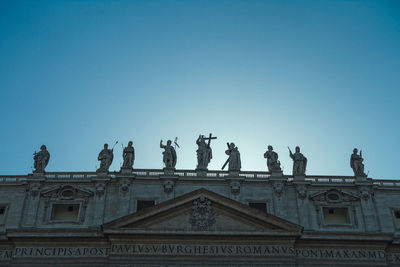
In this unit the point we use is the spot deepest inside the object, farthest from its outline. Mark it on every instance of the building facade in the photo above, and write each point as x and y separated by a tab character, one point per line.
198	218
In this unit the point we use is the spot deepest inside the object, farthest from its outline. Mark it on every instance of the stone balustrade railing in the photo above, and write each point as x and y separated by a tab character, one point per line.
192	174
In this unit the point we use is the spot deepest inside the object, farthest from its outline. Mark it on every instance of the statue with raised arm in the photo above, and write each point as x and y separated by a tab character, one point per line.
41	159
105	157
299	162
272	160
129	156
234	158
204	152
356	163
169	155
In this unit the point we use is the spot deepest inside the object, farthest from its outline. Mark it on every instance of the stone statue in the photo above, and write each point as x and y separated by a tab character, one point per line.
299	162
129	156
41	159
105	157
169	155
234	158
204	153
272	160
356	163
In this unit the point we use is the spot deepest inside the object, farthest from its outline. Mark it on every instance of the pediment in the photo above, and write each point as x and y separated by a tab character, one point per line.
202	211
66	192
333	196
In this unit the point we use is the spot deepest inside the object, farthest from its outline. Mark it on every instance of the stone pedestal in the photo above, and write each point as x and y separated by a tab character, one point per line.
169	171
361	178
38	174
233	174
299	178
276	173
102	174
201	172
125	171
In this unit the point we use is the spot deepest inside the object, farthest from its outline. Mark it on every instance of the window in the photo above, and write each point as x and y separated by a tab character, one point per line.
65	212
396	214
261	206
144	204
335	215
3	213
396	217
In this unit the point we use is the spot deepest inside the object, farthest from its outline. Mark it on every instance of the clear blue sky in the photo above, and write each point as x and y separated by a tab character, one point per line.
323	75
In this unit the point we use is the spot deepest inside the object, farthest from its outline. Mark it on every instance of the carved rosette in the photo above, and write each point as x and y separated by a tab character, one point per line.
202	216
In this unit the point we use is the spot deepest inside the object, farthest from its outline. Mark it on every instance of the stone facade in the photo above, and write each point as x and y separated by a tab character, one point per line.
189	218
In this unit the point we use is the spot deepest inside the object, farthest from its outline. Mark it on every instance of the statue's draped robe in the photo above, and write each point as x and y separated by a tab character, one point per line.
204	155
299	163
272	160
234	159
106	157
129	157
169	156
356	163
41	160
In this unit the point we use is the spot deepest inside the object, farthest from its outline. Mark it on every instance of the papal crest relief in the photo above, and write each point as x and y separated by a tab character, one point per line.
202	216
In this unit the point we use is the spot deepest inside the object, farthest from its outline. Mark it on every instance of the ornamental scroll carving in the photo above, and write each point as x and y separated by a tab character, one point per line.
202	216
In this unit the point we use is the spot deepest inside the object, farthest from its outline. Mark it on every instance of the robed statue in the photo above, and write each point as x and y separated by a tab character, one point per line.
105	157
299	162
129	156
41	159
204	153
272	160
356	163
234	158
169	155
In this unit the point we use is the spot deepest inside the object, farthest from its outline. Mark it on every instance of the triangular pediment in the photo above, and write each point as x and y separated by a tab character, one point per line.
333	196
203	211
66	192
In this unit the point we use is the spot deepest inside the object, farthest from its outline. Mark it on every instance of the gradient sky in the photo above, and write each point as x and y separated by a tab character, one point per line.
323	75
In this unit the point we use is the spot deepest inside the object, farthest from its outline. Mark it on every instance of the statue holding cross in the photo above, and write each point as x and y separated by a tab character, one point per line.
204	151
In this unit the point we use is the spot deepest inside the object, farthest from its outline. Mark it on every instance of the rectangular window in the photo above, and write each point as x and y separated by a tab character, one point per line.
396	214
334	215
65	212
396	217
144	204
3	213
261	206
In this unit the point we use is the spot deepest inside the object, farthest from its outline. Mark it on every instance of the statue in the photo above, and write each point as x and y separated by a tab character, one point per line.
204	152
129	156
169	155
105	157
41	159
299	162
356	163
272	160
234	158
